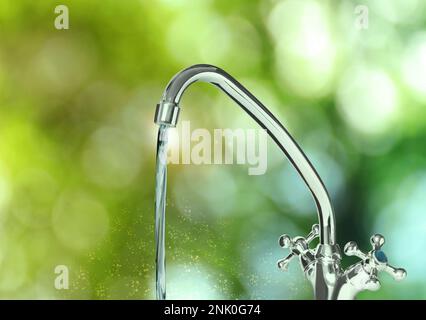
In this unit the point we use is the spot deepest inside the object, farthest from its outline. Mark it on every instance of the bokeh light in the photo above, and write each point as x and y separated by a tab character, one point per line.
305	51
368	100
414	66
79	221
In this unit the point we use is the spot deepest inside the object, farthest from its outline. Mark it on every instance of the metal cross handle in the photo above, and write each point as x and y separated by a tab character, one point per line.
374	261
298	245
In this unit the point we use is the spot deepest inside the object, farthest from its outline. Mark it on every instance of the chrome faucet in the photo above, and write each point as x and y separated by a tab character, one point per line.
322	264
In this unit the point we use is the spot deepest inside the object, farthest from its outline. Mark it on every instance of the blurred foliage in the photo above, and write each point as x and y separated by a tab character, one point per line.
77	143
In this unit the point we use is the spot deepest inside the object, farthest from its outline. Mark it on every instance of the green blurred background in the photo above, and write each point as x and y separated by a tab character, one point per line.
77	143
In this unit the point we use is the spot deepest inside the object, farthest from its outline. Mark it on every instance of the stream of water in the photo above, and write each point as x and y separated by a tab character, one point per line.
160	212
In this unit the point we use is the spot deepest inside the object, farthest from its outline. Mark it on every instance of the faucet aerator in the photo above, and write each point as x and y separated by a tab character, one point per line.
167	113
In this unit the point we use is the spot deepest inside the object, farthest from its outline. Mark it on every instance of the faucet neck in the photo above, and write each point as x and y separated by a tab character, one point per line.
168	110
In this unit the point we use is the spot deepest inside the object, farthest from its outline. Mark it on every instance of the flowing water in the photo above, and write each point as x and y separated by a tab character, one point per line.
160	212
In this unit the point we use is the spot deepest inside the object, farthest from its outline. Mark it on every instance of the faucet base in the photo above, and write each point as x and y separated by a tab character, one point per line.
324	272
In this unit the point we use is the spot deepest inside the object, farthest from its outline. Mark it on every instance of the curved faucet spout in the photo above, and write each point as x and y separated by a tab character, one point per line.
168	110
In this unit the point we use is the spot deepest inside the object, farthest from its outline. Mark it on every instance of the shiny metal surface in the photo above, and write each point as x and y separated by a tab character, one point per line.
167	113
322	264
323	269
364	274
298	246
207	73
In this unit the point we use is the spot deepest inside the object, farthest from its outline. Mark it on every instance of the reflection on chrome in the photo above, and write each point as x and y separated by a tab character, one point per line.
322	264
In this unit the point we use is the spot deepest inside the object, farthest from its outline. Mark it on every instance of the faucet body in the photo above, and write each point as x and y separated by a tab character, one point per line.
321	265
